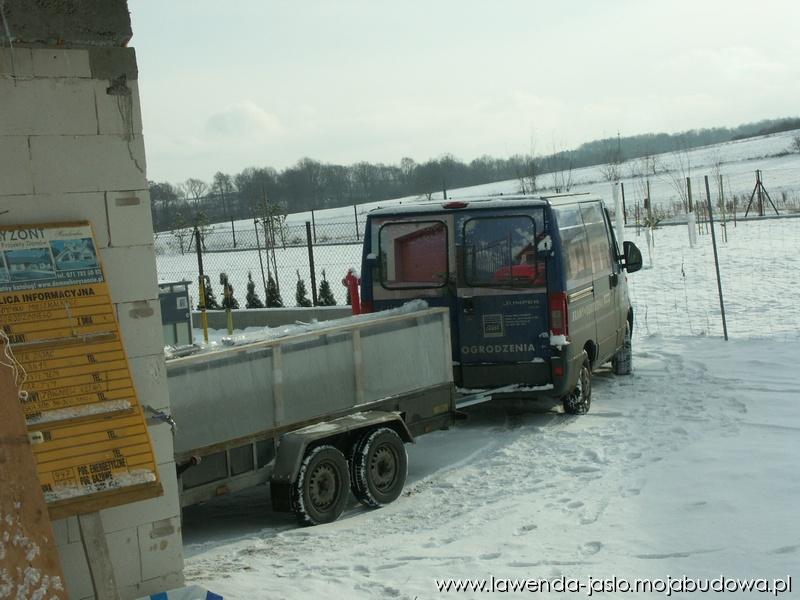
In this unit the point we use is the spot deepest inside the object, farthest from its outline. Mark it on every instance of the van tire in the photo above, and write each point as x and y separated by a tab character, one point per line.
578	401
378	467
622	363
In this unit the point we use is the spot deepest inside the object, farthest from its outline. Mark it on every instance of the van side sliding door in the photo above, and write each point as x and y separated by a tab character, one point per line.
605	279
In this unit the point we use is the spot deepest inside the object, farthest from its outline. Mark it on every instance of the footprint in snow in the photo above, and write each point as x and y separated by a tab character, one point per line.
785	550
575	504
525	529
591	548
489	556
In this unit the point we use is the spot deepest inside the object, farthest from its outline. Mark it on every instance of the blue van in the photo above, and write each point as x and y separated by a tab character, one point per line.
536	288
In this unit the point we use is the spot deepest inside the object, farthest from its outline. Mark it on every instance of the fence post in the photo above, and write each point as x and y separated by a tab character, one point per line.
261	264
618	216
202	302
716	260
624	210
311	263
355	214
691	220
313	226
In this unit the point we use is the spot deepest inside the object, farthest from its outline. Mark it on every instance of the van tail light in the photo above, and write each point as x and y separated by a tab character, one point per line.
559	317
366	306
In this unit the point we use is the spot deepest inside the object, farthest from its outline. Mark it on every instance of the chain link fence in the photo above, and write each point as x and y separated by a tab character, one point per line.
674	294
264	250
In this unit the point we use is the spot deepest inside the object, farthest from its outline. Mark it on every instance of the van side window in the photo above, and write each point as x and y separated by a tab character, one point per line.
501	251
574	245
597	235
413	254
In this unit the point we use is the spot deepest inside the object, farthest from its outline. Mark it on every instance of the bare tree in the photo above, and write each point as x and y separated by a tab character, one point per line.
795	147
560	164
612	167
195	190
525	171
676	173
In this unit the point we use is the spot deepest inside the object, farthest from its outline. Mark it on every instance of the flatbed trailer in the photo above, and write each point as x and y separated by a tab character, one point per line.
316	414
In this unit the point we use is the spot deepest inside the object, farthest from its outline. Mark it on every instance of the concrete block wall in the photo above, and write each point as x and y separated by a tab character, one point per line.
71	148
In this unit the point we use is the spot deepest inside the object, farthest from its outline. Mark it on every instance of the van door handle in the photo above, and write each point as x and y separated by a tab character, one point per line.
469	306
613	279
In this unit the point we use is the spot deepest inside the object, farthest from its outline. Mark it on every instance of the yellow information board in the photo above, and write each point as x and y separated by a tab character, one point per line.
89	432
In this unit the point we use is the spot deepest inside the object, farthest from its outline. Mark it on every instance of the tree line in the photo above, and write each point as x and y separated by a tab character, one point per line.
311	184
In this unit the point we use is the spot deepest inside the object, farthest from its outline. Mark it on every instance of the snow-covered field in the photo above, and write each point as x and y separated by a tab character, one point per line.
686	468
738	161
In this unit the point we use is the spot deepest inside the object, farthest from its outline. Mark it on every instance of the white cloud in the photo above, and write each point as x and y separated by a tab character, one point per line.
243	119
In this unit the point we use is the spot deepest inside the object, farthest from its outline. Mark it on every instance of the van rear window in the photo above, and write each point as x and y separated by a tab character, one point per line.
413	254
501	251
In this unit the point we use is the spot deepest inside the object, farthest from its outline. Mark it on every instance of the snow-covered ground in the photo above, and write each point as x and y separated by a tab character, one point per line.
686	468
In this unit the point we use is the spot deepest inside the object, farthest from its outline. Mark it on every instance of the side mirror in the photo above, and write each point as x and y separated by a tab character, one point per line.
633	257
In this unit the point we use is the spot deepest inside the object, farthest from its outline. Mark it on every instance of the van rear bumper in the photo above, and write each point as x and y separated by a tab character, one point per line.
496	375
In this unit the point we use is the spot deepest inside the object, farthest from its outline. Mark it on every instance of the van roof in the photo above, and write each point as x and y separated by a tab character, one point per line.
481	202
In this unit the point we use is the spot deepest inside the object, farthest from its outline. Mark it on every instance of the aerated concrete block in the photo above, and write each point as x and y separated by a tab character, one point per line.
150	379
146	511
52	62
130	220
87	163
123	547
15	166
118	108
130	272
161	547
16	63
140	323
48	107
111	63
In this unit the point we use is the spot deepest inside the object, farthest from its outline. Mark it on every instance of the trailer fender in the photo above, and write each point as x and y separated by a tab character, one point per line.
339	432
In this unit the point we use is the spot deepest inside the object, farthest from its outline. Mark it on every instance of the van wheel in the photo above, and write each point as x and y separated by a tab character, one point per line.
378	467
320	493
622	363
578	401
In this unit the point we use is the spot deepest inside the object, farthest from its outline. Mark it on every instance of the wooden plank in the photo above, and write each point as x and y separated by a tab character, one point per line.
23	515
94	542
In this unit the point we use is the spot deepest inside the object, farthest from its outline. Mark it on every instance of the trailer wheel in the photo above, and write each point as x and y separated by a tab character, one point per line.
578	401
378	467
622	363
320	493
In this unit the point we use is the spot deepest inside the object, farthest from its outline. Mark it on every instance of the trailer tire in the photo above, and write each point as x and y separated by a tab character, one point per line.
578	401
320	492
622	363
378	467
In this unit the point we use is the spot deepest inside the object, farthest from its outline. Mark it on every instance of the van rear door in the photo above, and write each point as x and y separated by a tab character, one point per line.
501	299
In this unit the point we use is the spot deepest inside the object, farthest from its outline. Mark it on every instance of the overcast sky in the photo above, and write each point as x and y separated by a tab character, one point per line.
253	82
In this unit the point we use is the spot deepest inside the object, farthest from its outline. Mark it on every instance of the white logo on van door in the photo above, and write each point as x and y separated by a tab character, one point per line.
497	348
